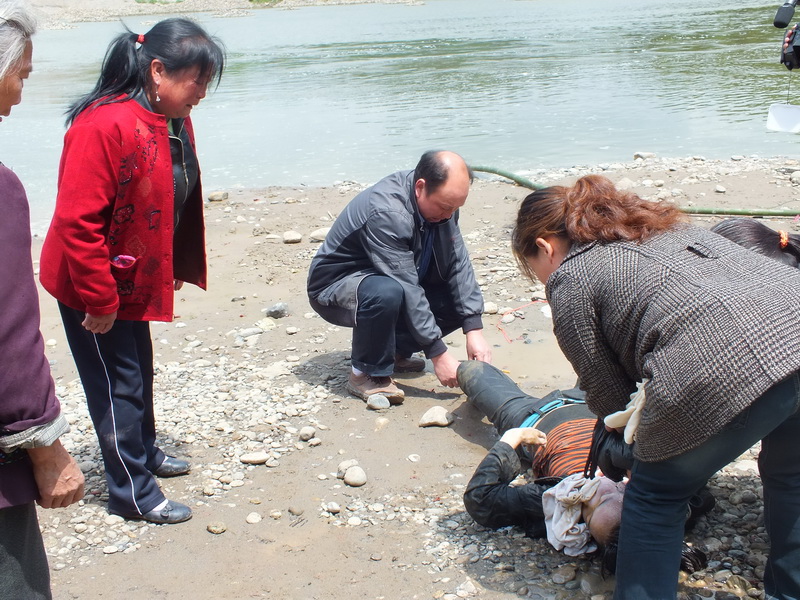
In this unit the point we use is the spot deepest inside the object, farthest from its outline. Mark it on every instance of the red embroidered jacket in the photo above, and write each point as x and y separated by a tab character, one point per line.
115	198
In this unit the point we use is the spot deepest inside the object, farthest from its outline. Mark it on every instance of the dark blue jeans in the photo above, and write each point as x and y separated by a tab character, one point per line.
654	507
381	331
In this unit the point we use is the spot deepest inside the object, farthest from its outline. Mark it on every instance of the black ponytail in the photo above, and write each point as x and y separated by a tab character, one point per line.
756	236
178	43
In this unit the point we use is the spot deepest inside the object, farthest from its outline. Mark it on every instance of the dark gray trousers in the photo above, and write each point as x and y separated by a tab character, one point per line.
381	331
24	574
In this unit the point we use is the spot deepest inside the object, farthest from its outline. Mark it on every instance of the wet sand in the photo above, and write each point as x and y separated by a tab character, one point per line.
232	383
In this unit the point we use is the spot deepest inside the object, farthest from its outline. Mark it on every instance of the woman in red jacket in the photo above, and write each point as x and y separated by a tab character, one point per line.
126	233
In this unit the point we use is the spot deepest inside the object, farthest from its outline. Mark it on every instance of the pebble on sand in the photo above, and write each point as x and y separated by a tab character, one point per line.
490	308
306	433
436	416
254	458
292	237
216	527
344	465
318	235
378	402
278	310
217	196
355	476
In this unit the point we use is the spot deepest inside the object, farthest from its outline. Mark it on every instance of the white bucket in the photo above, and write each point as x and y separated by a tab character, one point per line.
784	117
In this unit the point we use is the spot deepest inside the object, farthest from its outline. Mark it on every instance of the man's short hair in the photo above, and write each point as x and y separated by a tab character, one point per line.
434	170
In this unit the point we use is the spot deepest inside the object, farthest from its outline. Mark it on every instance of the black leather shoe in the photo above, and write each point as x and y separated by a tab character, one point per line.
699	504
692	559
171	467
173	512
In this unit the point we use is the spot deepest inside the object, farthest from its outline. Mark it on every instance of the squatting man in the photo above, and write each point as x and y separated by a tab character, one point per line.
395	269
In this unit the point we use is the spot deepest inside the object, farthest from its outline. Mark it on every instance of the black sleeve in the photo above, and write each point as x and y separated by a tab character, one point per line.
493	503
609	453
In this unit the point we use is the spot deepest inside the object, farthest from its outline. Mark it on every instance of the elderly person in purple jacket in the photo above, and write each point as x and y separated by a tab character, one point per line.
34	466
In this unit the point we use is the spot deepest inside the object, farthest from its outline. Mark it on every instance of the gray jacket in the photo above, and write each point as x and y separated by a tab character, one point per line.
710	324
380	232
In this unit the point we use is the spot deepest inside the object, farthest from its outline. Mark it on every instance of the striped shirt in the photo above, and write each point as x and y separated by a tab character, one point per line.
566	450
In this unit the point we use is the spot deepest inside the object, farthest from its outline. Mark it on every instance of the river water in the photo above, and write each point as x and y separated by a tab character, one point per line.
320	94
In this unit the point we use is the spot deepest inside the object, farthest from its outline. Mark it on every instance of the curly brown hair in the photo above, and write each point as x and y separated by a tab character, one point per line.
591	210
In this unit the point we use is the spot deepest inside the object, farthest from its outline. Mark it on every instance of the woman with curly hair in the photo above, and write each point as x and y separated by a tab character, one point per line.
640	295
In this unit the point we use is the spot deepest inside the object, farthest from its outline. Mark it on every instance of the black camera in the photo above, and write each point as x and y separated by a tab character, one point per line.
791	55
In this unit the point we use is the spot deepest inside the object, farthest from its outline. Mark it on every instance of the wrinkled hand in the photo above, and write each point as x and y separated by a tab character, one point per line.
477	346
445	367
530	436
57	475
533	437
99	323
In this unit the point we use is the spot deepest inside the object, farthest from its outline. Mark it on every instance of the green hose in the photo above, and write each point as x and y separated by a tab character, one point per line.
509	175
747	212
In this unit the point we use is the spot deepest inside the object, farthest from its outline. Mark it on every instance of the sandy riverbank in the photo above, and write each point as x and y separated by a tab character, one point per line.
231	382
60	13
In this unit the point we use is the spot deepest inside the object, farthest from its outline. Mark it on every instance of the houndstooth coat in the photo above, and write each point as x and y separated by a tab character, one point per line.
710	324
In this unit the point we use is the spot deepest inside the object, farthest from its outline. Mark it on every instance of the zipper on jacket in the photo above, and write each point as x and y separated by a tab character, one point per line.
183	167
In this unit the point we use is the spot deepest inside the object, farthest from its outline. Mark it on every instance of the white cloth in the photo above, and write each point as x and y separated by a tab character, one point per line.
562	505
631	416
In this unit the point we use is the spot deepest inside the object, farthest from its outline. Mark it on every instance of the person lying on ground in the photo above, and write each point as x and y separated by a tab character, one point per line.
561	442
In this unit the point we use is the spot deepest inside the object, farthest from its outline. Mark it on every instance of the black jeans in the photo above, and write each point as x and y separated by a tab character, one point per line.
493	393
381	331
